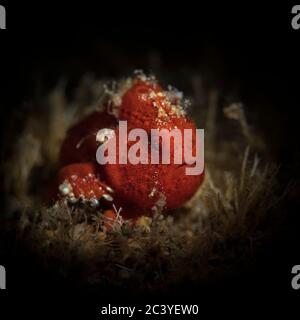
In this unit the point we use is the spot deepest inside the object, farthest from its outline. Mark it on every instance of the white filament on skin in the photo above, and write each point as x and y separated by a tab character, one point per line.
78	145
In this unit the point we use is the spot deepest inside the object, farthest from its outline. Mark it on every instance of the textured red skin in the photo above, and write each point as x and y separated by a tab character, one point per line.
133	184
138	111
87	182
80	145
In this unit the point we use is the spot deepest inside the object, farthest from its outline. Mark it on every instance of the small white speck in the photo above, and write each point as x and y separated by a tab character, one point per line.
65	188
108	197
94	202
72	200
104	135
152	193
109	189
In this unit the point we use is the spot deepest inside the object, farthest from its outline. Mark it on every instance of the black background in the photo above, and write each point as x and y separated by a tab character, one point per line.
252	43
